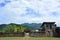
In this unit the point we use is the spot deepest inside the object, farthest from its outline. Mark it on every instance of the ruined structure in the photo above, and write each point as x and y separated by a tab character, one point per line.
57	32
49	29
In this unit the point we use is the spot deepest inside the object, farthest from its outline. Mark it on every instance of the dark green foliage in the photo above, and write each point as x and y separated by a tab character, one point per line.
12	27
32	26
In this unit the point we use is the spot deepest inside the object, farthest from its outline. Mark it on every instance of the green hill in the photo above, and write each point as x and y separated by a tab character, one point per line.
32	26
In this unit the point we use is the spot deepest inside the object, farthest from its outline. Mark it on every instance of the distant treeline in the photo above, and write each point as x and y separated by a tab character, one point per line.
12	27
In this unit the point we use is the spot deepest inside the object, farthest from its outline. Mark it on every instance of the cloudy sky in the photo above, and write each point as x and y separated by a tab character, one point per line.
29	11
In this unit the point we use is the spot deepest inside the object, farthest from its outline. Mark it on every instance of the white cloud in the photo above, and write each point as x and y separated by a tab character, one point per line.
44	8
1	1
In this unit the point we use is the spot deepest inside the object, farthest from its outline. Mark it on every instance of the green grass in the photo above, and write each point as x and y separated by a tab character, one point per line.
29	38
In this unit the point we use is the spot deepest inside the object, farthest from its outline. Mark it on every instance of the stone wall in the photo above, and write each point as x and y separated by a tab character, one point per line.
37	34
57	32
12	34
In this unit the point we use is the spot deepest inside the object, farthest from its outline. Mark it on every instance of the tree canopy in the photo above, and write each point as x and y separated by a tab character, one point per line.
13	28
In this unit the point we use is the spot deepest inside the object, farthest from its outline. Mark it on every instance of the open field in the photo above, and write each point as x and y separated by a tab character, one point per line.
29	38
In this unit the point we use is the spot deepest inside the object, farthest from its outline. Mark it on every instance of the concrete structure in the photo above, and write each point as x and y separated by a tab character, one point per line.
57	32
49	29
12	34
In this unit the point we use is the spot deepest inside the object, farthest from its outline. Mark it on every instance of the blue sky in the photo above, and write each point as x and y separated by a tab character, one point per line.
29	11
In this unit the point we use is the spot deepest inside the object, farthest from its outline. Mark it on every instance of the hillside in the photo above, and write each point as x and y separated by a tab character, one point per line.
32	26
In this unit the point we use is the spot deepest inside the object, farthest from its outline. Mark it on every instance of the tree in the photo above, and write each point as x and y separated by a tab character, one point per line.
22	29
14	28
10	28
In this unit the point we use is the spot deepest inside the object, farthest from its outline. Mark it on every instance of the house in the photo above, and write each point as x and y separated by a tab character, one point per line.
48	29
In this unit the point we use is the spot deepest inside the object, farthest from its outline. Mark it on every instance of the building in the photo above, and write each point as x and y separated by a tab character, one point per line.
48	29
57	30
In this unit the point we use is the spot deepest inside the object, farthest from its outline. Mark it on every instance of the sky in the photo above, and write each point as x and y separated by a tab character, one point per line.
29	11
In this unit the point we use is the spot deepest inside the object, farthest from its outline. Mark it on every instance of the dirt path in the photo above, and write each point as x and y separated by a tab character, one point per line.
27	36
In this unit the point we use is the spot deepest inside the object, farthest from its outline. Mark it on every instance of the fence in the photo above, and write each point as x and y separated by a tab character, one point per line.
37	34
22	34
12	34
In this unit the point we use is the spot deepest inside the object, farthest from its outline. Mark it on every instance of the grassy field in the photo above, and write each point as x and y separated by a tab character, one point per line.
29	38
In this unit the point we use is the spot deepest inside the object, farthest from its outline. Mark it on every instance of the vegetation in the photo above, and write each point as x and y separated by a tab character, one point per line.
32	26
29	38
12	27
